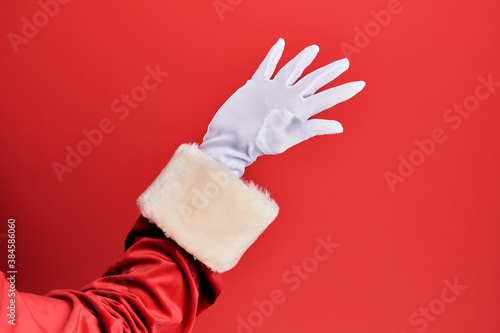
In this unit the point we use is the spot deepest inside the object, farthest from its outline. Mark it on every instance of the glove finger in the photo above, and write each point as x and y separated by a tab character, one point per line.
295	67
304	130
315	127
268	66
320	77
331	97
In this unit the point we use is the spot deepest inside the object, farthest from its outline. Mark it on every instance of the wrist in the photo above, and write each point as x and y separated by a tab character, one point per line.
206	210
233	159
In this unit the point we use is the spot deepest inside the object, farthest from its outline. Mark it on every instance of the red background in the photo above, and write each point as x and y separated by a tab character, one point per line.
396	247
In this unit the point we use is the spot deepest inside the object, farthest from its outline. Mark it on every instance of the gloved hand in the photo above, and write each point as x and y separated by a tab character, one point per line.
267	116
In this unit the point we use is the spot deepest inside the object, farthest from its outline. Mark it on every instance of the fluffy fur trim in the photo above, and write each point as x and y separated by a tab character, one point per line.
206	209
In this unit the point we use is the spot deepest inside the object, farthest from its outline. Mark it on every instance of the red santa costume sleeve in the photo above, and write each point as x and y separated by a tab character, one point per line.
197	220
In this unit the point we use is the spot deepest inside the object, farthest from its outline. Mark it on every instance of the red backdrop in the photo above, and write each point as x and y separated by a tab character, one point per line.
408	193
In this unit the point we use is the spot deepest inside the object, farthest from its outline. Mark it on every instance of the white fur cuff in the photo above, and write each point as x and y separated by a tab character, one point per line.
206	209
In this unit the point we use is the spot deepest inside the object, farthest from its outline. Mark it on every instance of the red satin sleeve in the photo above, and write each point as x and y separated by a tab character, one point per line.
155	286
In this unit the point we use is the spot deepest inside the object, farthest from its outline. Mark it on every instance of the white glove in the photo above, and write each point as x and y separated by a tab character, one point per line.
267	116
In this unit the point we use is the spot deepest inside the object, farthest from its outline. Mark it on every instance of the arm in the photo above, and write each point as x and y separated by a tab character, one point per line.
155	286
198	216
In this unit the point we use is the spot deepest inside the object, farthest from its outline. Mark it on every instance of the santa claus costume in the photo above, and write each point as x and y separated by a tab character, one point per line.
199	216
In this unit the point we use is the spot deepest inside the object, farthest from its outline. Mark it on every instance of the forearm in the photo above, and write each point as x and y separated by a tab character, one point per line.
155	286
